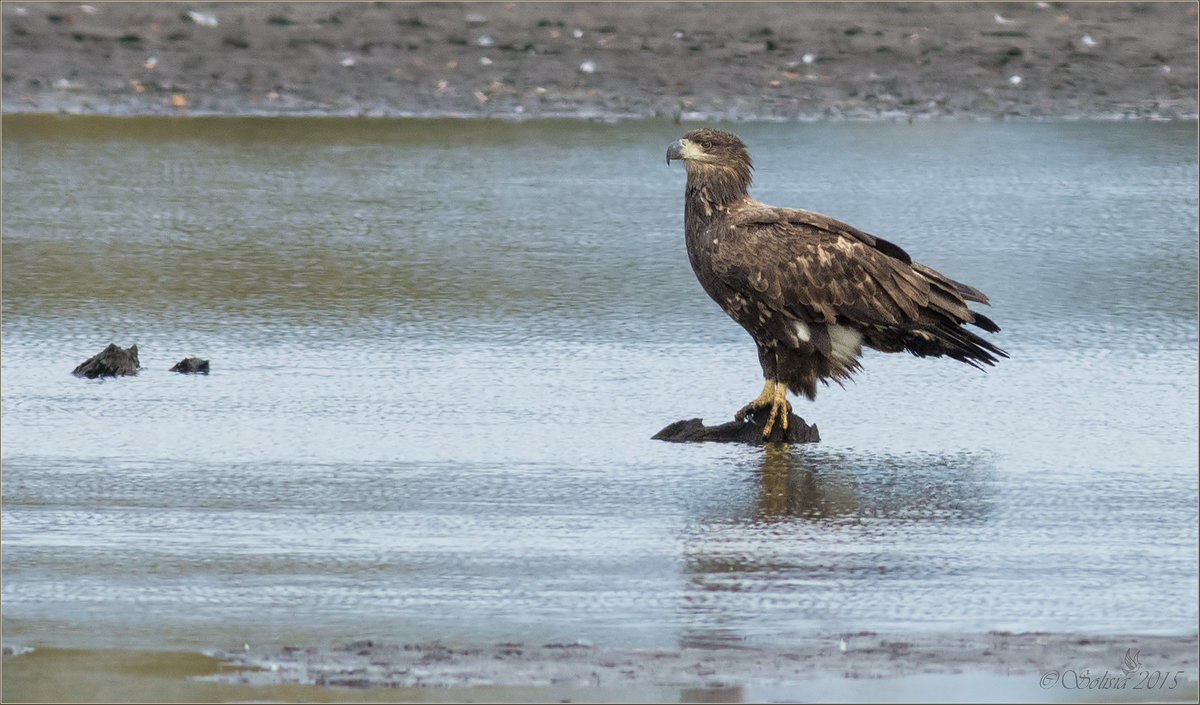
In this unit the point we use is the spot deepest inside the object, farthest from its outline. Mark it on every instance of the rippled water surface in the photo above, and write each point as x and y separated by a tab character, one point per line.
439	350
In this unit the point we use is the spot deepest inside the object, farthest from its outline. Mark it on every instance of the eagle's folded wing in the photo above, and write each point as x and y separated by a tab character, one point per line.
818	275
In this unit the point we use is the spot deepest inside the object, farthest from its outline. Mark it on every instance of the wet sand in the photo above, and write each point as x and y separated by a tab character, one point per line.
860	655
605	60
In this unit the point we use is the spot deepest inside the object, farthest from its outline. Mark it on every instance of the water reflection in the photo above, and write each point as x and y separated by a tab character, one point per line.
790	488
828	532
729	694
842	486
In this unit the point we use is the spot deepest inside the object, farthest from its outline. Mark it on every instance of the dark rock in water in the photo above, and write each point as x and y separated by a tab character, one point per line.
191	365
746	431
110	362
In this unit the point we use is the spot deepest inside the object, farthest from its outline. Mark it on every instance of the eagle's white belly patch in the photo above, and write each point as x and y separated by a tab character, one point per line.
845	344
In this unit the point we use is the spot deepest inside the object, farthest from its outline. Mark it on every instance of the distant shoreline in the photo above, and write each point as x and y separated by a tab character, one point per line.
683	118
606	61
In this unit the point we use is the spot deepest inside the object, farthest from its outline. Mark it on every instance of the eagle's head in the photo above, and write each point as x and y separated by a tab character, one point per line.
717	155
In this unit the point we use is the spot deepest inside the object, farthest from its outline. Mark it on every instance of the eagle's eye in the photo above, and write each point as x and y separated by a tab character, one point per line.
706	144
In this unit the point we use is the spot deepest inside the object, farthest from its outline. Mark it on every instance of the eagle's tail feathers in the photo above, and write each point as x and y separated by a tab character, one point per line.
954	342
985	323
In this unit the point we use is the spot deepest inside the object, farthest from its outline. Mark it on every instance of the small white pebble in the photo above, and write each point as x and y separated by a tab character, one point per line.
21	12
678	35
1014	79
204	19
476	19
1088	41
588	67
519	109
485	41
1166	69
1042	5
1003	20
348	61
577	33
479	96
808	58
62	83
442	85
539	90
150	62
87	9
484	61
842	645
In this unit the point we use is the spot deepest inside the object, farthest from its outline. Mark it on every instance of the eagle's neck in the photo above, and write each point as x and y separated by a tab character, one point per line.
713	189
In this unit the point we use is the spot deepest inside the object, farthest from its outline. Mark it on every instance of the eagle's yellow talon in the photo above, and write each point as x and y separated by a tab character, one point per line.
778	411
770	424
765	399
774	396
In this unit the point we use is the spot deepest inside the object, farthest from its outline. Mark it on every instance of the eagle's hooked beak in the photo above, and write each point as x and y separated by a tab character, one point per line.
677	150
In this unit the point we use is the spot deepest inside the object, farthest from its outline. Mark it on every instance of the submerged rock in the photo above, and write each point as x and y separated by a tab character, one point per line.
749	430
191	365
110	362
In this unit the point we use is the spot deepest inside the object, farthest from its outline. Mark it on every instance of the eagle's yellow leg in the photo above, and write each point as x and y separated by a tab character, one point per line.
780	408
774	395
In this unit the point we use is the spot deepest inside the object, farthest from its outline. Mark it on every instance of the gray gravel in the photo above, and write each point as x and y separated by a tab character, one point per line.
781	61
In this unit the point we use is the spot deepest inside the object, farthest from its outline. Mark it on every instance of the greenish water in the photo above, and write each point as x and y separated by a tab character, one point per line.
439	349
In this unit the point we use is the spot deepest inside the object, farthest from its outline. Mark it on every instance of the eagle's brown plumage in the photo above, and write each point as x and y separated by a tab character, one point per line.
810	289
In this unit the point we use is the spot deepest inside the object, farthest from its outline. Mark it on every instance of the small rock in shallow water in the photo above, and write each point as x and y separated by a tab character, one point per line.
747	431
191	365
109	362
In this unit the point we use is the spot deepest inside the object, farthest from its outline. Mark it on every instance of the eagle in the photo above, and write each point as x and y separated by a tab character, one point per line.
811	290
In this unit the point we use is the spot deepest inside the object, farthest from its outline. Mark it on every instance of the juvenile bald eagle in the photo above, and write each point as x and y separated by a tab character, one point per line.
809	289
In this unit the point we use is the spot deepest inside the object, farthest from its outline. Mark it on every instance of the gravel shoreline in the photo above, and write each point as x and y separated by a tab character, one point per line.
712	61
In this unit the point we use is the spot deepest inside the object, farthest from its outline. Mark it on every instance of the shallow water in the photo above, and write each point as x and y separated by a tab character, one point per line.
439	350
